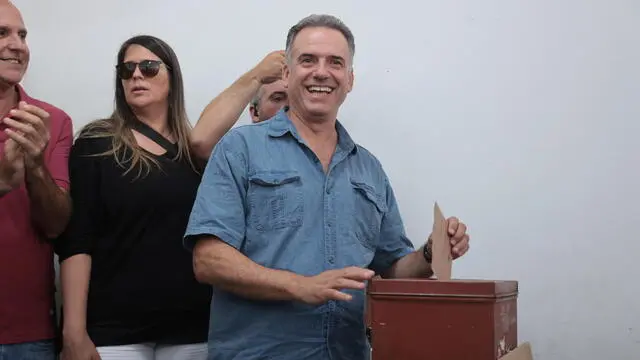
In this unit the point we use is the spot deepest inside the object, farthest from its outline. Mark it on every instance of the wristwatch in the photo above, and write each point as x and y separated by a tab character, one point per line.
426	251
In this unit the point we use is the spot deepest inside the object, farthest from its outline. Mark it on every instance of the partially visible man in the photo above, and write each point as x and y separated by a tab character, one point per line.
262	85
293	217
35	139
268	101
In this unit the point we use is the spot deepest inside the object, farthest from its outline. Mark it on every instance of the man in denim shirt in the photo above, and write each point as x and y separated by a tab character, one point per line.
292	218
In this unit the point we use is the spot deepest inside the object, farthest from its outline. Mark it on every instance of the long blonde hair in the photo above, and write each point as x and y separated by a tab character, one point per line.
118	126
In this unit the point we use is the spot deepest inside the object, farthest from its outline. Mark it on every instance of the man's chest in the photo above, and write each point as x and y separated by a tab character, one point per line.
296	205
289	182
15	217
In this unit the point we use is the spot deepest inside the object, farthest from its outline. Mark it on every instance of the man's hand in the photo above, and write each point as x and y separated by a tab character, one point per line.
459	237
29	127
326	286
11	167
270	68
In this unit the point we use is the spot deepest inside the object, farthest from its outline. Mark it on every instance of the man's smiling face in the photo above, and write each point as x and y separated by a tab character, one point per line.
14	51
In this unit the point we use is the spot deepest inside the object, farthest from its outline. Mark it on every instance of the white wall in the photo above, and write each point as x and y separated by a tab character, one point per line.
520	117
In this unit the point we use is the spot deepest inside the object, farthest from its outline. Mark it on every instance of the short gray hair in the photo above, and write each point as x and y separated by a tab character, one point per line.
321	20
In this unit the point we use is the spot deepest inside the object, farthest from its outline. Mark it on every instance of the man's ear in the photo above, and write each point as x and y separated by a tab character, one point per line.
253	112
351	80
285	75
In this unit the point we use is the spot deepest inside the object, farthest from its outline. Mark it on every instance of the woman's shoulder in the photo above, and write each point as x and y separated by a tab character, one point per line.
94	138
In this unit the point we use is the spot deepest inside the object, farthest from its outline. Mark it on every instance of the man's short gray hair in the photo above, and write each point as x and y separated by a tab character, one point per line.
320	20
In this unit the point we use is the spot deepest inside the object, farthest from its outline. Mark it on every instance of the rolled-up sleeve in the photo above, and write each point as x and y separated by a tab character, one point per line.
84	176
219	207
394	243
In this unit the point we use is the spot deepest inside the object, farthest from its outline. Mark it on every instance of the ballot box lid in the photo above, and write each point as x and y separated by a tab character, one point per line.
489	289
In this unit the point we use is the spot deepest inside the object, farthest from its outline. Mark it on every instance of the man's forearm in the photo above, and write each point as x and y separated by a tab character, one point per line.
413	265
50	205
219	264
74	278
222	112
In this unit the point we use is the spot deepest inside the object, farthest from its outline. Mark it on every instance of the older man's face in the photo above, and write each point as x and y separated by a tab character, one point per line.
272	98
14	52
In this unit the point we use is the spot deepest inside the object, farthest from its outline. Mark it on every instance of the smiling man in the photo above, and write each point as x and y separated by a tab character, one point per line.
293	217
35	139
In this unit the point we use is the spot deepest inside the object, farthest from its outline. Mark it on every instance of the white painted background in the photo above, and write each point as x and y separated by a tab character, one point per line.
521	117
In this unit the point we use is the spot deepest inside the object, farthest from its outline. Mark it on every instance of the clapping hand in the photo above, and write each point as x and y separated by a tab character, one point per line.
29	128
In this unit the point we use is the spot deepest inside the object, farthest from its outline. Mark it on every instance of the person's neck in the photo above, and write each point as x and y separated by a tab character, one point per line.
8	98
156	118
315	130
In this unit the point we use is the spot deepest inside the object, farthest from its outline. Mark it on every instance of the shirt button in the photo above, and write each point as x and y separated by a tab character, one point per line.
331	259
328	191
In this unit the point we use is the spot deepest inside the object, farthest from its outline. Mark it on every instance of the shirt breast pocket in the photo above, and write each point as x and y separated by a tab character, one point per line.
275	200
369	207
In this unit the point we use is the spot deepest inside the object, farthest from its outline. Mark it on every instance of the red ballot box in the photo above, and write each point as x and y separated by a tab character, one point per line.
424	319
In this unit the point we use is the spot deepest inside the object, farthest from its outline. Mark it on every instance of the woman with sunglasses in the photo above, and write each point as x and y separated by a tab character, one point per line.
133	181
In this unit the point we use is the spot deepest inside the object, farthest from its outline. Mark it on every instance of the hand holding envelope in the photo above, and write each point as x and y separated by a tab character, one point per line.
449	241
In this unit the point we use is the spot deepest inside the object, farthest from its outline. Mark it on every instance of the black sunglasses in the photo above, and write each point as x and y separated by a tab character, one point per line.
148	68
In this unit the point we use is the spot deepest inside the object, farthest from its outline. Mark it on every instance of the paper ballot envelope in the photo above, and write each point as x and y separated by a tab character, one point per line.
441	248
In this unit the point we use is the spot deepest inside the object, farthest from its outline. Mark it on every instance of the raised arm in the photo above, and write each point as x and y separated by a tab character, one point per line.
224	110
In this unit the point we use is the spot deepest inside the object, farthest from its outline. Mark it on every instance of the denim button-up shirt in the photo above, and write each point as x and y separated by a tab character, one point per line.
265	193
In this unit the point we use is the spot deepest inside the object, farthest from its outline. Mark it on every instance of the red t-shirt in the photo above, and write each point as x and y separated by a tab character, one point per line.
26	260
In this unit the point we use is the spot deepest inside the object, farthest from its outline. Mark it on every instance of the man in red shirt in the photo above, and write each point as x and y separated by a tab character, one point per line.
35	140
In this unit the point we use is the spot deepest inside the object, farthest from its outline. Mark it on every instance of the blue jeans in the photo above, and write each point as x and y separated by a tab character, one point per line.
37	350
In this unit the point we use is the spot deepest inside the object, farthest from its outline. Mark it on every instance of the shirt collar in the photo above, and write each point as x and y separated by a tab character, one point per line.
280	125
22	95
